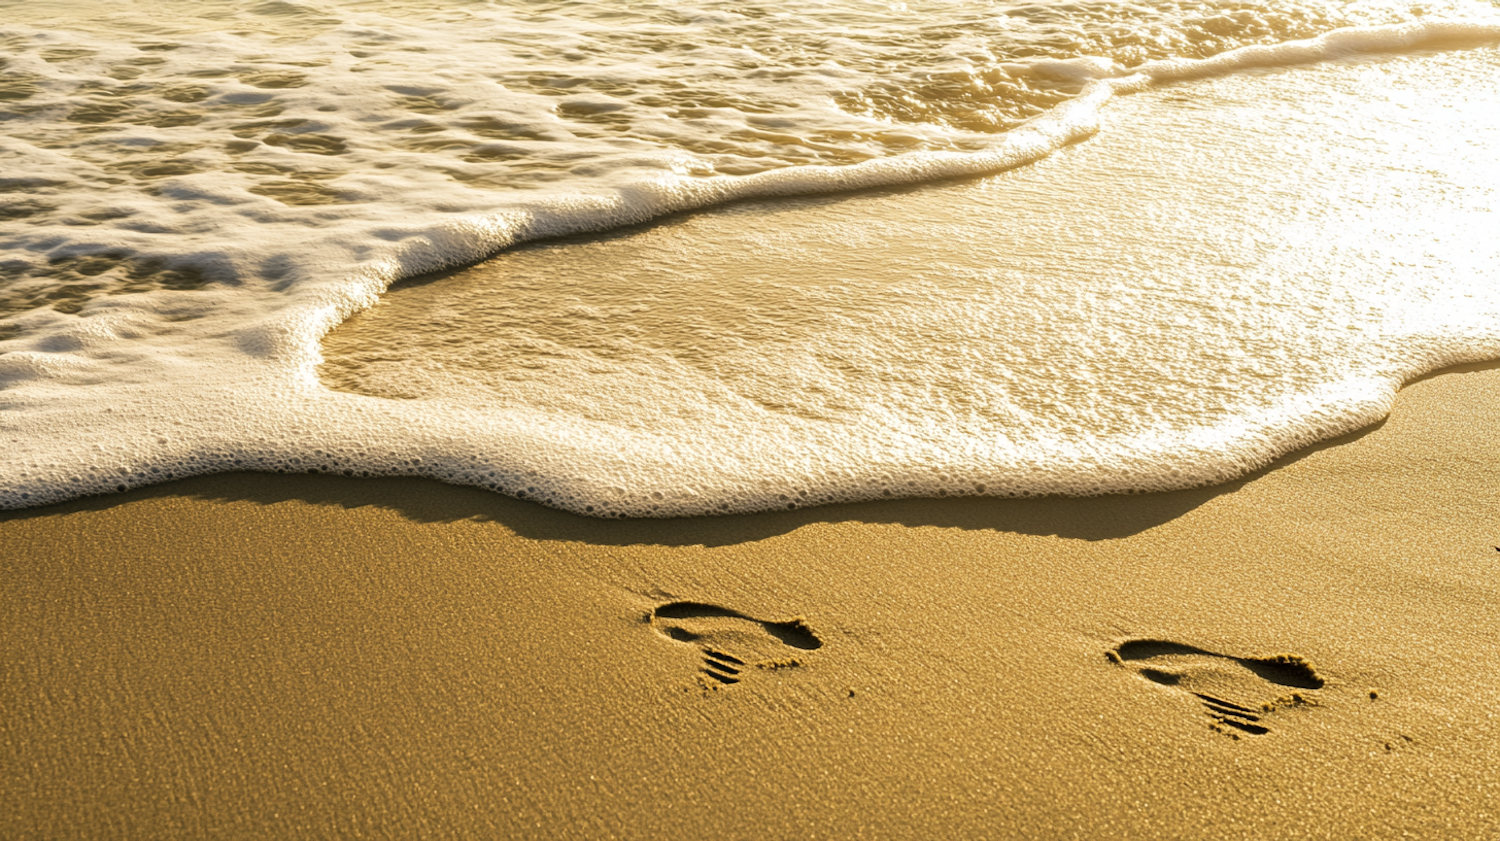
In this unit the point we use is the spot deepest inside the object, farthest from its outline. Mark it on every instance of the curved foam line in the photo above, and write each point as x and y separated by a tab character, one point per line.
1394	38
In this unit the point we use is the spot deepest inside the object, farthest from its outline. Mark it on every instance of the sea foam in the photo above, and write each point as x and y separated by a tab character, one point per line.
204	273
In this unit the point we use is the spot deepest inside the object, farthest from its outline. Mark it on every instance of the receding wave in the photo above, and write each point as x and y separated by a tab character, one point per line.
164	289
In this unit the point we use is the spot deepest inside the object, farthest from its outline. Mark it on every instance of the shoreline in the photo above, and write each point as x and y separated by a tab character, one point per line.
388	436
299	654
1305	652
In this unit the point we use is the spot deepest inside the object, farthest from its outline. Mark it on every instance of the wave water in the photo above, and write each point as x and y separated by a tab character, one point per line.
194	199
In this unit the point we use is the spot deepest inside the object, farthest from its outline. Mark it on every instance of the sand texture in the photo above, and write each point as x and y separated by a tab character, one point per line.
1309	653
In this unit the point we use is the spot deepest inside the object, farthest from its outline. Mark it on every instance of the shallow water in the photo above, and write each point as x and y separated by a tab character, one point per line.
194	197
1179	297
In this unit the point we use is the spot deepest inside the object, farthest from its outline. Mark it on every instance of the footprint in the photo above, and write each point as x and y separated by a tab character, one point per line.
733	643
1240	693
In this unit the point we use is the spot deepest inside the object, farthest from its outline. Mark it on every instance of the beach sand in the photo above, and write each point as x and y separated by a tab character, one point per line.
280	655
1307	653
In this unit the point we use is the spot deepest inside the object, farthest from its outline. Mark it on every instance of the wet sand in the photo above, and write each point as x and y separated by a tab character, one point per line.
303	655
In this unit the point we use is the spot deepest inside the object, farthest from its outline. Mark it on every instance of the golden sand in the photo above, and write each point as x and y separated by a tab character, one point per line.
1308	653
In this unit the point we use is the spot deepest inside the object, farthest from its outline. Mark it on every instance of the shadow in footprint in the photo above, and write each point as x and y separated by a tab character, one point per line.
733	642
1238	692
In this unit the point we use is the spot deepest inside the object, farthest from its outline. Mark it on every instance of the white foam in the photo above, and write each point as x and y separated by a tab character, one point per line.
167	383
1392	39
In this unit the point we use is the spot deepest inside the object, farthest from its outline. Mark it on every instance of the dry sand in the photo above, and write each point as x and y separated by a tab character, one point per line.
267	655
